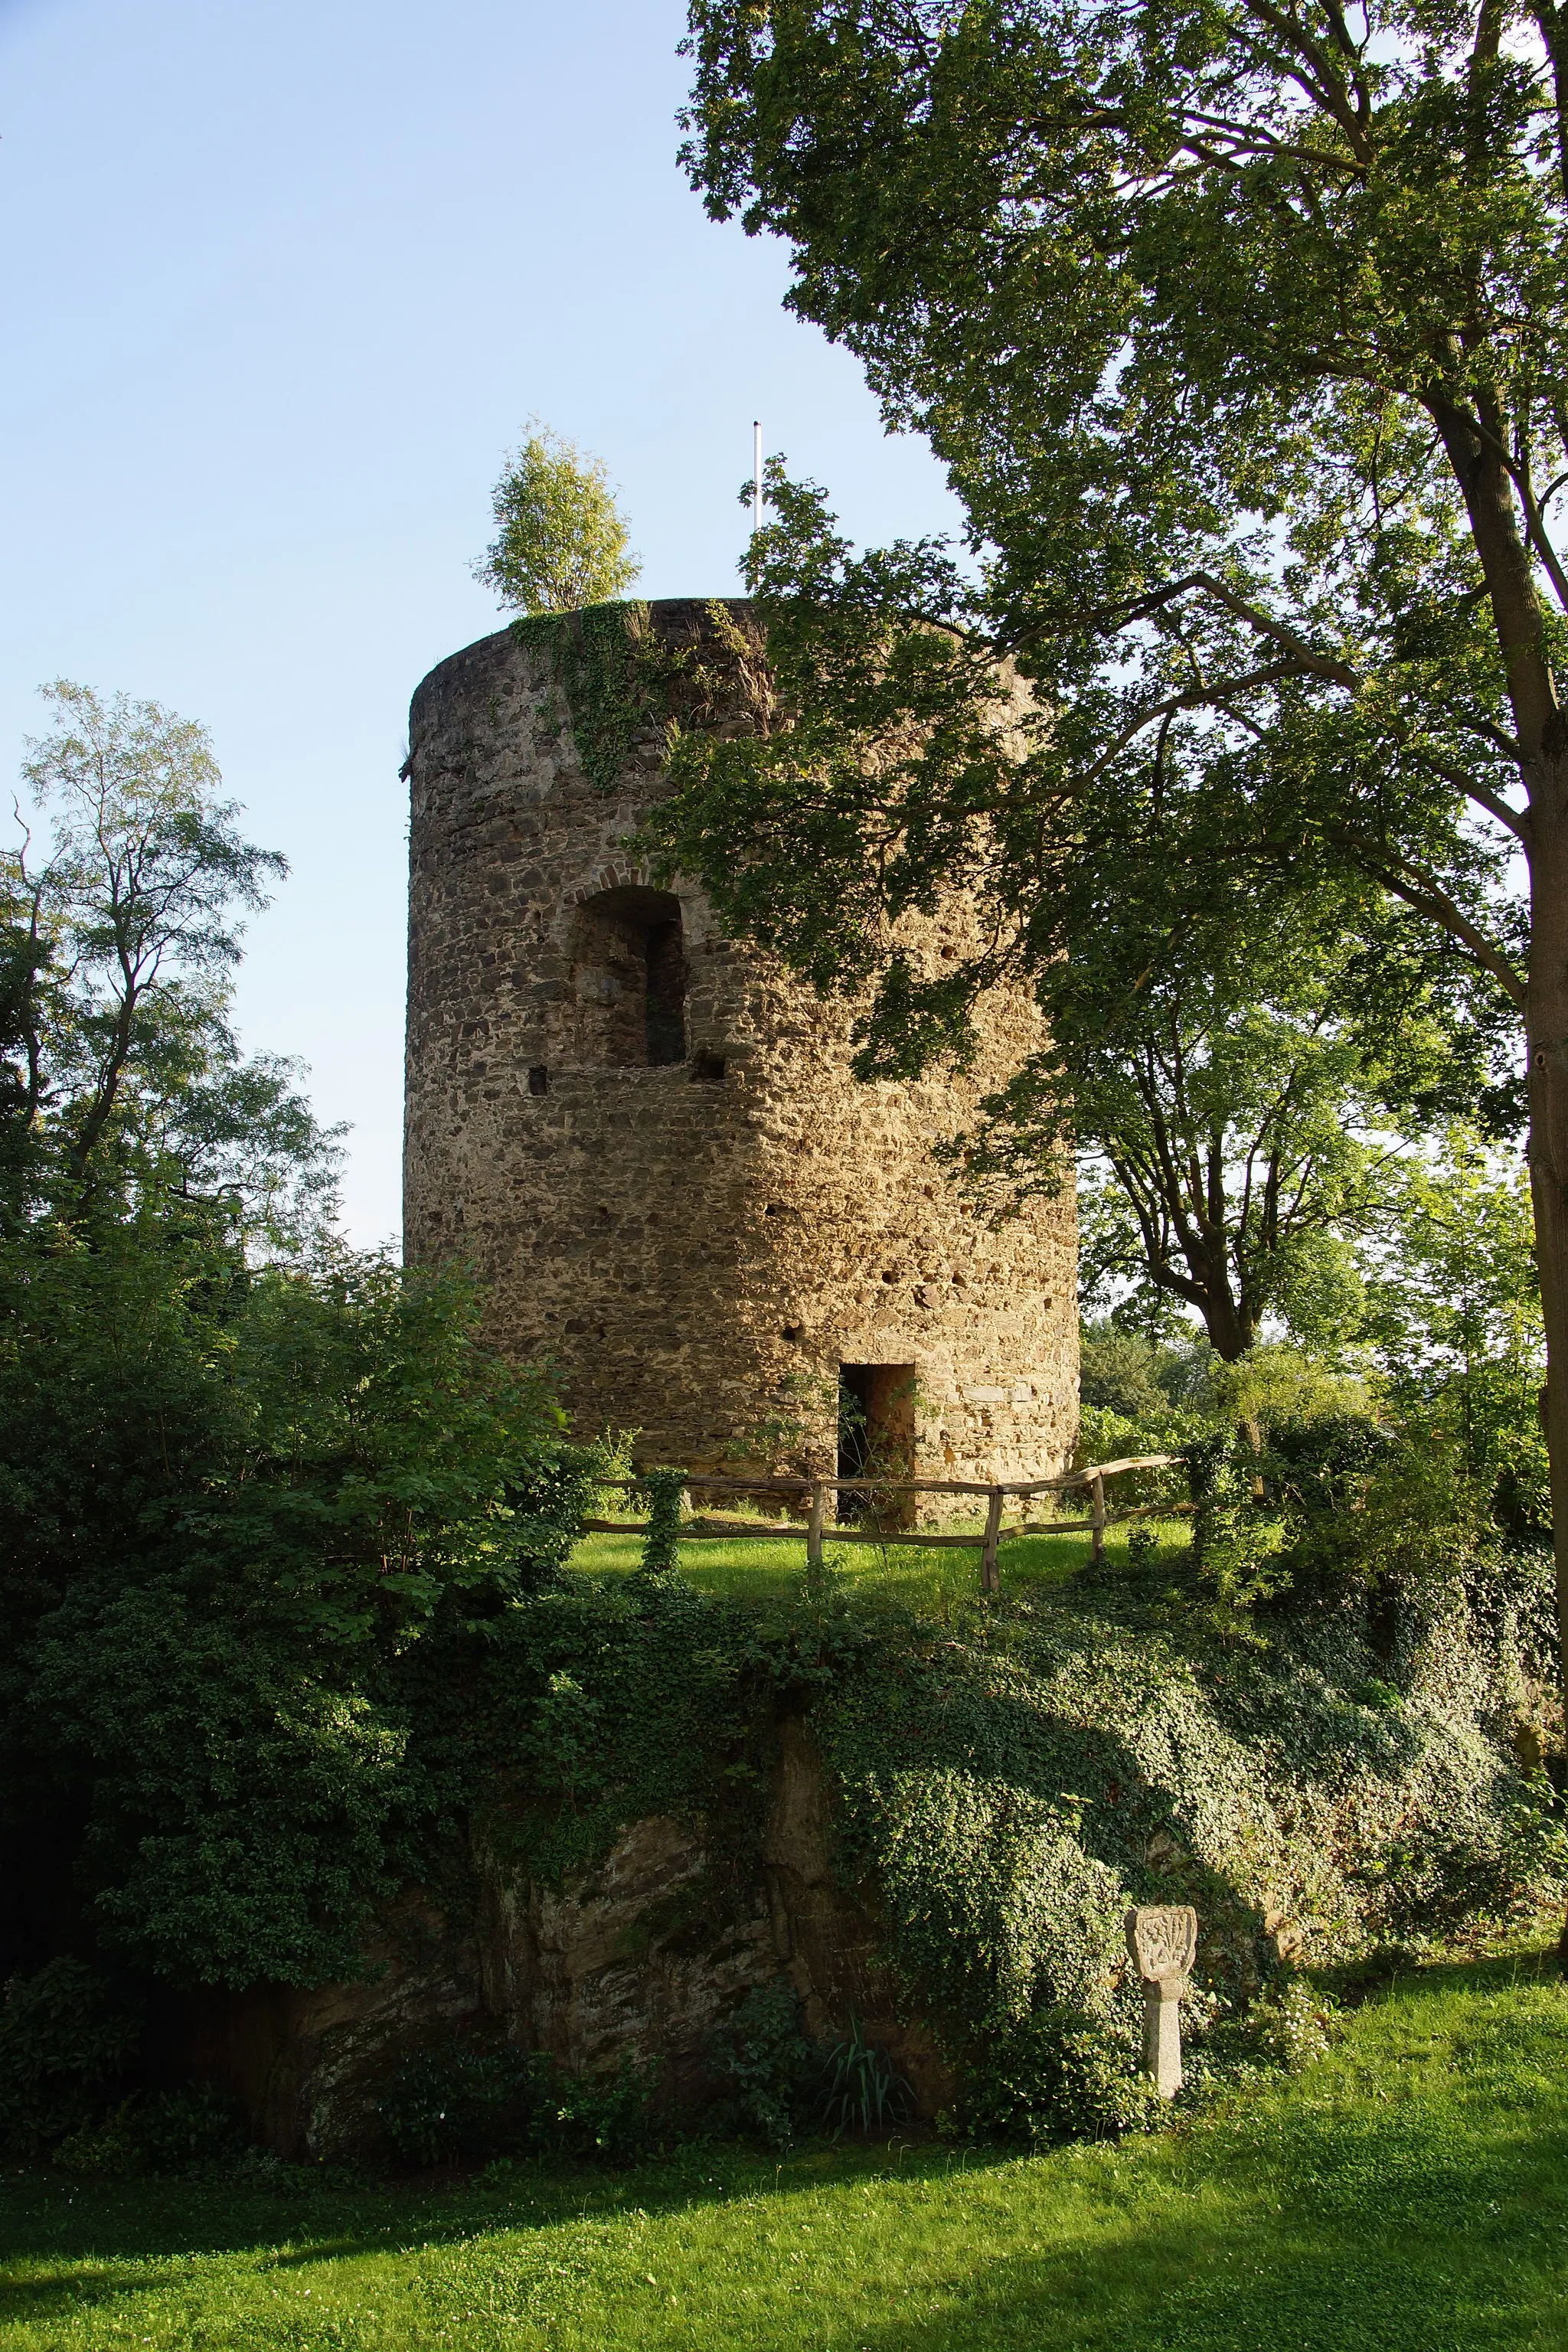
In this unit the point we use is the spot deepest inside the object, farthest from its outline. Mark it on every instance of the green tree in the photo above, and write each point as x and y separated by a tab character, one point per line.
254	1524
561	540
118	936
1227	1066
1232	1120
1241	330
1452	1315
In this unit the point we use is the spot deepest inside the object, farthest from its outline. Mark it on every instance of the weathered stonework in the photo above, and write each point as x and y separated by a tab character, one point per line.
646	1957
648	1143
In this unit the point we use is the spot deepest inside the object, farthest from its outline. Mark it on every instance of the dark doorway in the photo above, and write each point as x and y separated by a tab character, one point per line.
876	1439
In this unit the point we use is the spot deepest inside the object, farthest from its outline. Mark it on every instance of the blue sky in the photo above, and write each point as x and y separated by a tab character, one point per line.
279	286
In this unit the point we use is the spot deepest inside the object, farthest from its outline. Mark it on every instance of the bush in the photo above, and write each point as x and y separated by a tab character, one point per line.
604	2118
1056	2077
107	2150
194	2128
1287	2027
451	2104
197	2128
1291	2025
762	2059
1236	1536
65	2040
455	2102
255	1524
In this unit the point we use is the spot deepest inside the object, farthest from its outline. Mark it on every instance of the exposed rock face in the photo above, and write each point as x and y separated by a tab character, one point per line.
643	1957
651	1146
634	1960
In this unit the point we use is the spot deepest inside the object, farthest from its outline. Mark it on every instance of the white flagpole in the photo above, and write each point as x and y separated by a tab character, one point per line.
757	461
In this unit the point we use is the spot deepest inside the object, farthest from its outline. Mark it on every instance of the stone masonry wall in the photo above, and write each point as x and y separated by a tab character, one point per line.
697	1216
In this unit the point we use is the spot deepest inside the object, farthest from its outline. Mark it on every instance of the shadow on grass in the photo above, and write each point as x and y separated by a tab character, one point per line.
1409	2194
1242	2282
100	2229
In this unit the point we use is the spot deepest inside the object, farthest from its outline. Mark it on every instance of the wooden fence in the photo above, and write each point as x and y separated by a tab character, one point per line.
813	1492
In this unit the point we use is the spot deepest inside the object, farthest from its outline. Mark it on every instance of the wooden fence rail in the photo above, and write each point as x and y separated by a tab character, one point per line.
813	1492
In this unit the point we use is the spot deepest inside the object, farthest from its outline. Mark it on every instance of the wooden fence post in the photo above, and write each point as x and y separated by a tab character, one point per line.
1097	1513
990	1581
814	1530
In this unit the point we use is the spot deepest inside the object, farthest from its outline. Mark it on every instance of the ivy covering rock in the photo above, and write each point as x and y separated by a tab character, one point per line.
293	1641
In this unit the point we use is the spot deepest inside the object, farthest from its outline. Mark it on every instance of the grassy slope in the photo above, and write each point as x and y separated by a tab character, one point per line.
1409	2193
920	1579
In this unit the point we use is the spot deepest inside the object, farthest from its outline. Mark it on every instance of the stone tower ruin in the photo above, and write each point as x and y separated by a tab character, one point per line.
647	1143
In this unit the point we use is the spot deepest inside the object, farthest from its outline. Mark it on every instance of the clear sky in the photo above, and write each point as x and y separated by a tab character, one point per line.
279	286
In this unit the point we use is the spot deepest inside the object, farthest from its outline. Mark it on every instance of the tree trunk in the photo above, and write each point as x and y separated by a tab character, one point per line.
1542	733
1548	1046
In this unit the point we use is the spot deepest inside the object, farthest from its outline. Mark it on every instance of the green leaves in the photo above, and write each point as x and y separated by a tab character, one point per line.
562	542
243	1506
1243	336
120	1074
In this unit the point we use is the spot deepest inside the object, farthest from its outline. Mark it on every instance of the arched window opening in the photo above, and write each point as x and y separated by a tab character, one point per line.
628	978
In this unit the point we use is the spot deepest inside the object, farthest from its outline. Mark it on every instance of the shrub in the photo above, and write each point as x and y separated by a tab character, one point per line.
661	1492
763	2061
65	2040
1288	2026
450	2102
605	2117
193	2128
197	2128
1236	1536
1291	2025
1057	2076
455	2102
107	2150
256	1526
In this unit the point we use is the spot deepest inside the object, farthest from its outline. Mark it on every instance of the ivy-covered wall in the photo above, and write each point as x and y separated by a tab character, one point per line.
939	1827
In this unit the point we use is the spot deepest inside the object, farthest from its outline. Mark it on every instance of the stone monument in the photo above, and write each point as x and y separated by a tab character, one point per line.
646	1140
1162	1938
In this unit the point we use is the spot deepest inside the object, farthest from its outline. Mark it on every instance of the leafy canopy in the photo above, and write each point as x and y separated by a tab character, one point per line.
1211	311
1241	328
120	1072
1219	1051
562	542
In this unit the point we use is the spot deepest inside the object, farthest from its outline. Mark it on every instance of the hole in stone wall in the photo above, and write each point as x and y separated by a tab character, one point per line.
538	1080
665	1020
707	1069
877	1438
628	978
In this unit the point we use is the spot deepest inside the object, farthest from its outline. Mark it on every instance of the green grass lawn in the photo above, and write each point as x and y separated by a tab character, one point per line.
1407	2193
926	1580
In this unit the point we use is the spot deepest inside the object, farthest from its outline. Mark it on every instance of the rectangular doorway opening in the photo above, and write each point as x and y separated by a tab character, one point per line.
877	1439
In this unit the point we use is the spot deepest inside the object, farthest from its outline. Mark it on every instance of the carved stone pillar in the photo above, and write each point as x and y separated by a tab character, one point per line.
1163	1939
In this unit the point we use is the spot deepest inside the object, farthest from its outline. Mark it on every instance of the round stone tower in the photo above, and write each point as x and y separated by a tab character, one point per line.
648	1142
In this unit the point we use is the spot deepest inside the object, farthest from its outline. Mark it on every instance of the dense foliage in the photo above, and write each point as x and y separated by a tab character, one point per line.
1241	330
287	1622
252	1516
